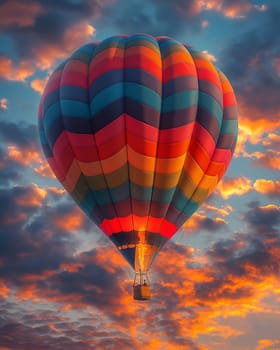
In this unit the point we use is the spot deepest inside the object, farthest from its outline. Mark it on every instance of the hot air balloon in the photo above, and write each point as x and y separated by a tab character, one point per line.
139	130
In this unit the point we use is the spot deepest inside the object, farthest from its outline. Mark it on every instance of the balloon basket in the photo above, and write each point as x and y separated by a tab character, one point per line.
141	287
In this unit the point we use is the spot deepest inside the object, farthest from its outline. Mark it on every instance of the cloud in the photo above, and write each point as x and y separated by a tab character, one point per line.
268	344
18	14
237	9
20	151
263	219
38	85
48	32
3	104
268	187
234	186
11	71
251	70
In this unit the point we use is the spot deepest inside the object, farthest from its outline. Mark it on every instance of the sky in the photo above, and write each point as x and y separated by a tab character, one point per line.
216	284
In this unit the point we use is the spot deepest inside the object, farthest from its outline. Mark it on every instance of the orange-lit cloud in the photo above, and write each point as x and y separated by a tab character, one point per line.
270	159
34	197
44	170
19	72
268	344
19	14
234	186
38	85
47	54
71	221
3	104
252	130
4	290
269	187
231	9
25	156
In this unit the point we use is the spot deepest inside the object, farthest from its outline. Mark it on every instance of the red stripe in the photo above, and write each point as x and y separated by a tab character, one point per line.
84	146
63	153
141	145
141	129
154	225
229	99
200	155
108	131
204	138
220	155
210	76
74	78
176	134
178	70
102	67
142	62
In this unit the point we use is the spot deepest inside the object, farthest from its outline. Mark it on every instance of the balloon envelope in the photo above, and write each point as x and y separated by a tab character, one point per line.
139	130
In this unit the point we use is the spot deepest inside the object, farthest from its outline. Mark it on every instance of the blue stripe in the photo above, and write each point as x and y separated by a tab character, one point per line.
88	203
229	127
71	108
143	95
51	115
106	97
184	205
180	100
210	104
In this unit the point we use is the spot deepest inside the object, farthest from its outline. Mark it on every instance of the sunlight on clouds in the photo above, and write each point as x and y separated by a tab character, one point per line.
38	85
268	187
209	56
230	10
47	54
23	156
4	290
234	186
44	170
71	221
270	159
268	344
34	196
19	73
3	104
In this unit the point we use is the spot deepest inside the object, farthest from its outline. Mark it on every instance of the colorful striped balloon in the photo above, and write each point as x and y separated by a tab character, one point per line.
139	130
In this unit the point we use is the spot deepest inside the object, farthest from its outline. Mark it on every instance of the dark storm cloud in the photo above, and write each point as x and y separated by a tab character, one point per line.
46	23
159	17
10	170
251	256
21	134
211	225
263	220
19	150
249	62
29	242
35	247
